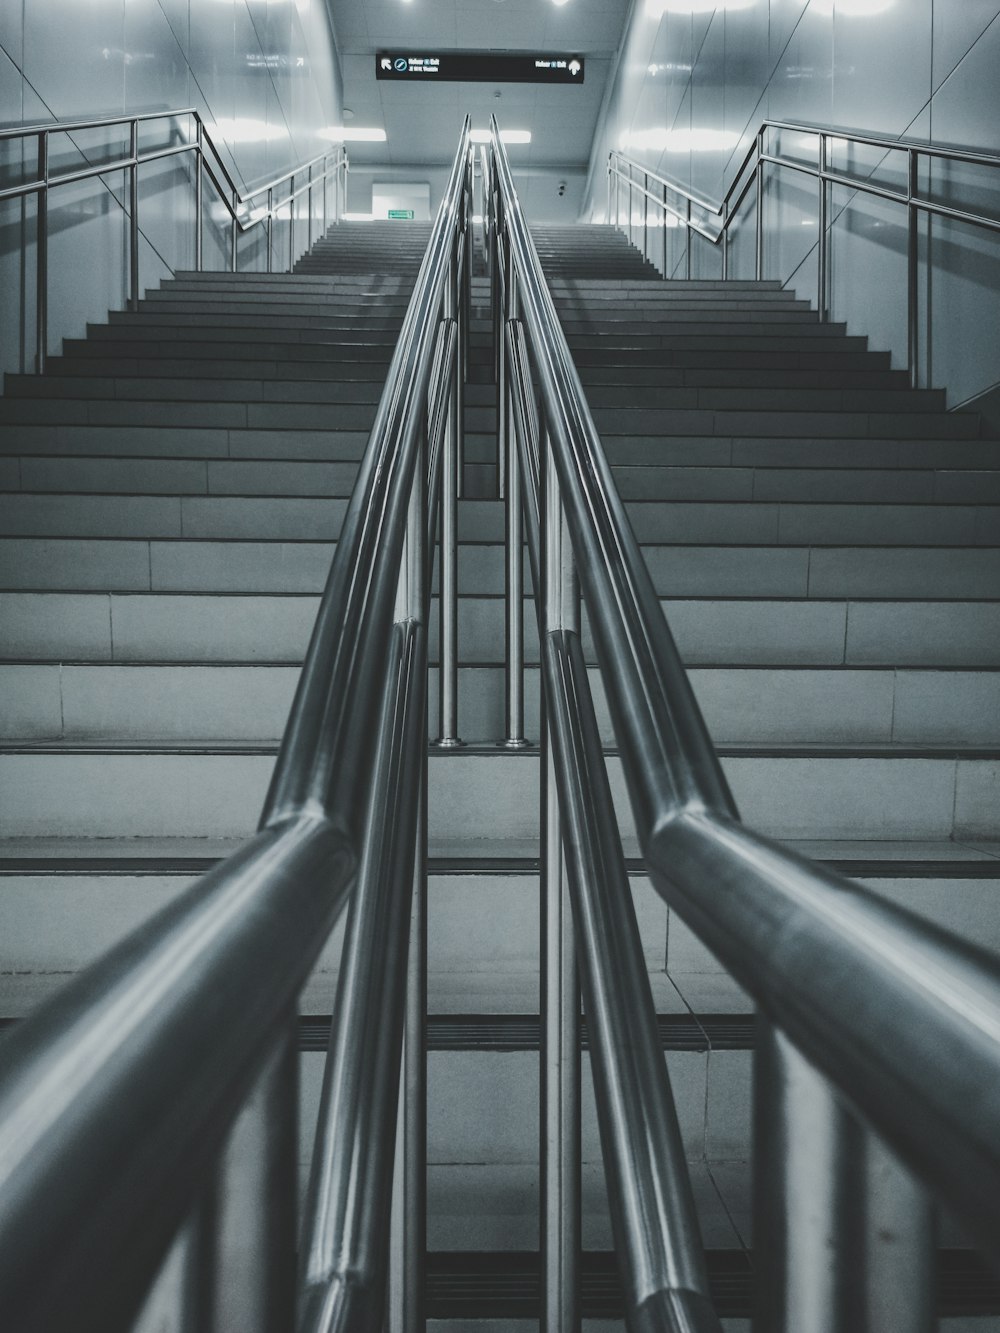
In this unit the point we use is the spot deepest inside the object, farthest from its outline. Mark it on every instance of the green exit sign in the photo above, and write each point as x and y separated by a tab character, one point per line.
403	214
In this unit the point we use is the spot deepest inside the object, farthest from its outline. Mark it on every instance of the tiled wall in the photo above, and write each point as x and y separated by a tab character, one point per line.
924	69
263	73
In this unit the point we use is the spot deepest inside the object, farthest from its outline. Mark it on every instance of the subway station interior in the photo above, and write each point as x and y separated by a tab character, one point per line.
500	666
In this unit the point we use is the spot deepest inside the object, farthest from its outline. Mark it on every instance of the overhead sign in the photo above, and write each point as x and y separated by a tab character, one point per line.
402	214
478	67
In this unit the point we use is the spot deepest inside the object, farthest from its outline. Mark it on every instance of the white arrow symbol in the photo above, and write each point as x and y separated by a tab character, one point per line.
386	63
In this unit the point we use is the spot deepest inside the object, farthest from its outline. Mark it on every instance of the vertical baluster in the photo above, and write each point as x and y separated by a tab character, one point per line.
645	215
843	1236
759	215
560	993
448	559
725	239
199	194
690	242
270	226
42	257
291	227
912	262
235	203
514	563
823	251
407	1261
133	222
238	1264
665	216
309	201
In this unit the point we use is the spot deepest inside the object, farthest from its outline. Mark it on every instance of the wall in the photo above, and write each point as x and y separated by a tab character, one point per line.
263	73
925	69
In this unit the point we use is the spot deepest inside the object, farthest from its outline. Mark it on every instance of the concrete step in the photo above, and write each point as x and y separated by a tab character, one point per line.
891	423
178	389
291	566
249	343
217	627
599	378
806	398
274	477
116	791
741	705
297	518
215	314
236	329
121	359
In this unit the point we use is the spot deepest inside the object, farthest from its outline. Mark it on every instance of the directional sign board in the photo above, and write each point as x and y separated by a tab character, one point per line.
401	214
478	67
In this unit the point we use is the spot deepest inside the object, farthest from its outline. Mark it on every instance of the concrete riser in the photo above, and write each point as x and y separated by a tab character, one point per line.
162	794
763	706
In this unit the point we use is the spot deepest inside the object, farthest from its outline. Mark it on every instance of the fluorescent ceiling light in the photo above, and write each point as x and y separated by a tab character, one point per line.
506	136
352	134
681	141
852	8
558	2
656	8
245	129
477	219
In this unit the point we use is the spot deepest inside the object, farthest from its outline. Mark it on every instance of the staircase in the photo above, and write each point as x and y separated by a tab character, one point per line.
820	535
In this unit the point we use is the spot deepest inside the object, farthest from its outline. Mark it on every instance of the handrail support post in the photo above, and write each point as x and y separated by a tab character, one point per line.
843	1235
133	222
823	249
514	738
560	1222
448	737
912	268
42	256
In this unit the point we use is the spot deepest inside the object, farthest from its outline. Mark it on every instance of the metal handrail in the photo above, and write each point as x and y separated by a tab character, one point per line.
243	215
622	170
900	1017
116	1097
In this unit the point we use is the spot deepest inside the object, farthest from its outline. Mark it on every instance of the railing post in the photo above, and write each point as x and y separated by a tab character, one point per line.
759	216
239	1247
133	223
199	195
291	233
408	1246
823	251
690	241
270	225
514	738
665	215
912	268
42	257
309	201
611	179
448	560
843	1236
235	231
725	239
560	1225
645	215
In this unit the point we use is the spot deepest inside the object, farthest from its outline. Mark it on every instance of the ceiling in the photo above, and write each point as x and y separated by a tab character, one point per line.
422	122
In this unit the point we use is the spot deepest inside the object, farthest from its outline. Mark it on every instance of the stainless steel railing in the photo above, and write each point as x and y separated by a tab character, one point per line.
189	137
117	1097
878	1069
714	221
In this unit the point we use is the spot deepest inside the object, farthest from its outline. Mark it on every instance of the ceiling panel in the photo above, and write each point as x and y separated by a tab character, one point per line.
422	121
